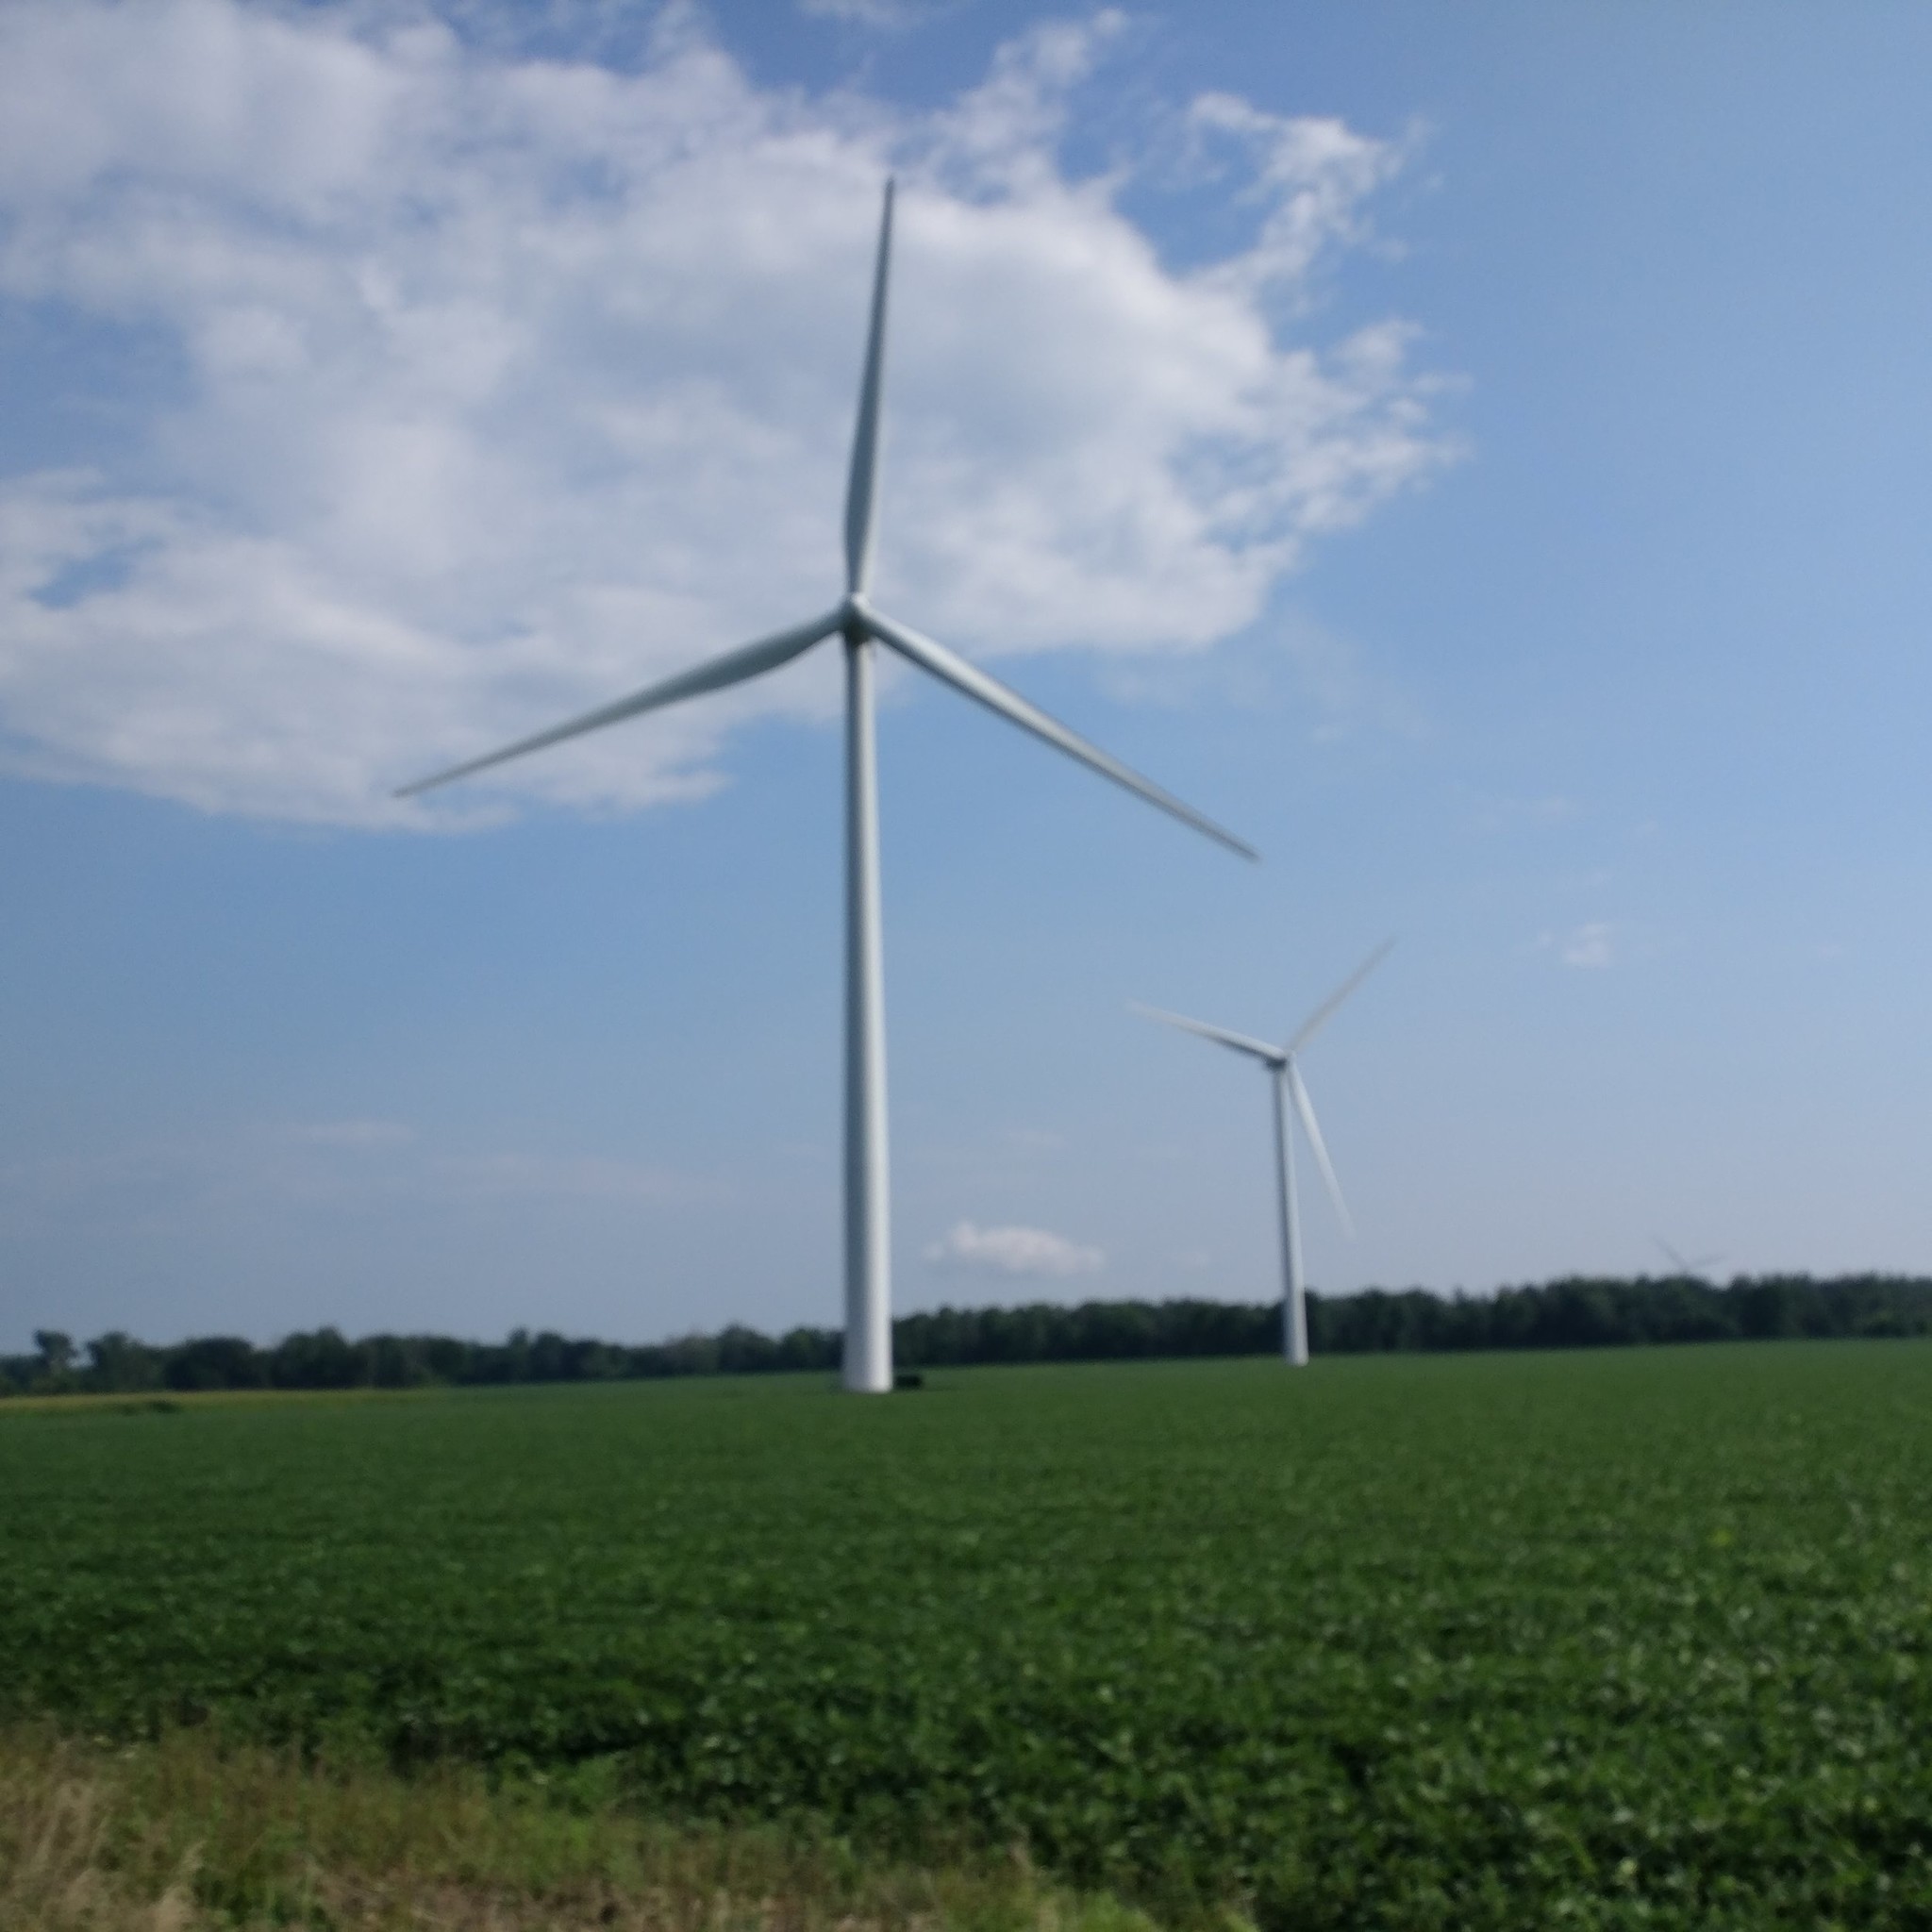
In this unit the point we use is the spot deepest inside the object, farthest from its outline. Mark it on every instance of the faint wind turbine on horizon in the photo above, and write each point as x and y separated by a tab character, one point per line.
868	1358
1689	1267
1289	1087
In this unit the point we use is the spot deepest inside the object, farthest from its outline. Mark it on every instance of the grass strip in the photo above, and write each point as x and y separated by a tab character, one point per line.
190	1834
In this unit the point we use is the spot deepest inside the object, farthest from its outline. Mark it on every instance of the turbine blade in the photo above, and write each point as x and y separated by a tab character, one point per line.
1672	1256
950	668
1239	1042
734	667
1306	1108
859	503
1325	1011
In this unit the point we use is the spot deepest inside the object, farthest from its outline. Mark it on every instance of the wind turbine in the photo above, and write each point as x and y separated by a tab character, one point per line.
868	1363
1689	1267
1288	1086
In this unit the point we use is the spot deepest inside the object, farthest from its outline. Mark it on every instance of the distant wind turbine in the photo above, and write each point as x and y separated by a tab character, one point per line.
1690	1268
1289	1086
868	1364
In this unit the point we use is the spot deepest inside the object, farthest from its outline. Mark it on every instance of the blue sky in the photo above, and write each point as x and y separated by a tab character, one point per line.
1479	455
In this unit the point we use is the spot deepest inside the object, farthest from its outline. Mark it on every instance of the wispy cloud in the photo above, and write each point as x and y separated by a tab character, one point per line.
1313	172
894	16
1510	814
1289	659
351	1134
445	327
1014	1251
586	1177
346	1163
1589	945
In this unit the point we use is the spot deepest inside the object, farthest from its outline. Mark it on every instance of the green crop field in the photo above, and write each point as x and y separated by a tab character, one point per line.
1625	1638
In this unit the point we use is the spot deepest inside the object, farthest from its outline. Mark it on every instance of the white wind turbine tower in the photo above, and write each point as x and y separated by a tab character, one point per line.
868	1365
1288	1086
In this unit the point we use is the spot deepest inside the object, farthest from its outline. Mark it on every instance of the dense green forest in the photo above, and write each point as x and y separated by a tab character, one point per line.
1577	1313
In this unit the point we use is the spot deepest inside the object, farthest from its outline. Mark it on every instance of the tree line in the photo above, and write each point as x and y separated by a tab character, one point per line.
1572	1313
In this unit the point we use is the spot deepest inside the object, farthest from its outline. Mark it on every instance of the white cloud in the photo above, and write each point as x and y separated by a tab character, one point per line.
1014	1251
1313	172
1588	945
491	386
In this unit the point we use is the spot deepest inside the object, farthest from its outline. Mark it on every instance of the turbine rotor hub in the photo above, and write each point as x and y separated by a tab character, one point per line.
854	618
